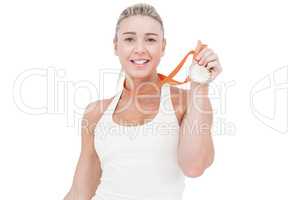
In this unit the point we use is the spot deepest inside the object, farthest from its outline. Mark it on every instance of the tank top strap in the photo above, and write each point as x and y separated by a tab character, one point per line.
112	106
166	104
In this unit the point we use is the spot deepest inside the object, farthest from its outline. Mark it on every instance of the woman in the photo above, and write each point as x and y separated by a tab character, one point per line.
140	147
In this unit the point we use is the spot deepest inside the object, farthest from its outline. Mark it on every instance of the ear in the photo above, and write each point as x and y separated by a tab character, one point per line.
115	46
164	46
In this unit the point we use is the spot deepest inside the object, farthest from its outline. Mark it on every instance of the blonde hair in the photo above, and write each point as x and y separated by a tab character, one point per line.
141	9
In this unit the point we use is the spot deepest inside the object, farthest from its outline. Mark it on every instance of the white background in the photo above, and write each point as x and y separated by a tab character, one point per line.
257	151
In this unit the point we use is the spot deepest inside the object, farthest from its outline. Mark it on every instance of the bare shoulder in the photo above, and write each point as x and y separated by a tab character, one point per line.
179	101
91	116
94	111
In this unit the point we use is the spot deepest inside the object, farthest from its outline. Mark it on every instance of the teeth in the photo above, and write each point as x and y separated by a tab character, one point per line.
139	62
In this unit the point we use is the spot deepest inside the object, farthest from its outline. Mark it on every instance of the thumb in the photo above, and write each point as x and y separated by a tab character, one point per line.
198	48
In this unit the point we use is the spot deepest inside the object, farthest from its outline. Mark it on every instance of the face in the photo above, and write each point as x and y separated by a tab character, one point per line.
139	46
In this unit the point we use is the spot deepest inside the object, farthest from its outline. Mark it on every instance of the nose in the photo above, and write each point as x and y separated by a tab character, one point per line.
139	47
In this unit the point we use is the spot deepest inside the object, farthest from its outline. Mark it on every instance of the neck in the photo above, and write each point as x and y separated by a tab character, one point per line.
136	86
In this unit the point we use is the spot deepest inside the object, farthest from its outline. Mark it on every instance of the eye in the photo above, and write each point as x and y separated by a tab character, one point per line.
128	39
151	40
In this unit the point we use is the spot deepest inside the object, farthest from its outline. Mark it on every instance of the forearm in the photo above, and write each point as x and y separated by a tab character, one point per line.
195	149
86	179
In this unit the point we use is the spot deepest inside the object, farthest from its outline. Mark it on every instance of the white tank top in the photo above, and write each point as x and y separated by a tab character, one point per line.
139	162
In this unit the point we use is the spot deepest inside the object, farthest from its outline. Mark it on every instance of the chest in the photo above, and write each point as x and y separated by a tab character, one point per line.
140	111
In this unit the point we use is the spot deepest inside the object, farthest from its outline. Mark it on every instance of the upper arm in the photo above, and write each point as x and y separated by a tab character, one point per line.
88	169
91	116
89	120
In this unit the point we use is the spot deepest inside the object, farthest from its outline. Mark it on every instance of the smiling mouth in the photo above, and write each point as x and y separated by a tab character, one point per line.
140	61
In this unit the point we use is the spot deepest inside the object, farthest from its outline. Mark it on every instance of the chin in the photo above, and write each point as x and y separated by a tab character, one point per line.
139	73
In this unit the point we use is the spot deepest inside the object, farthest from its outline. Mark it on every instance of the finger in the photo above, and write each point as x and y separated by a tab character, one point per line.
204	51
210	58
198	47
215	71
205	55
212	65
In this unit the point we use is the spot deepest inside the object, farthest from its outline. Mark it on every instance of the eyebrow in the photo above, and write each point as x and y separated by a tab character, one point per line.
134	33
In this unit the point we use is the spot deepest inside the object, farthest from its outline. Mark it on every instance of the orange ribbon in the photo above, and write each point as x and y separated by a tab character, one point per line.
170	78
